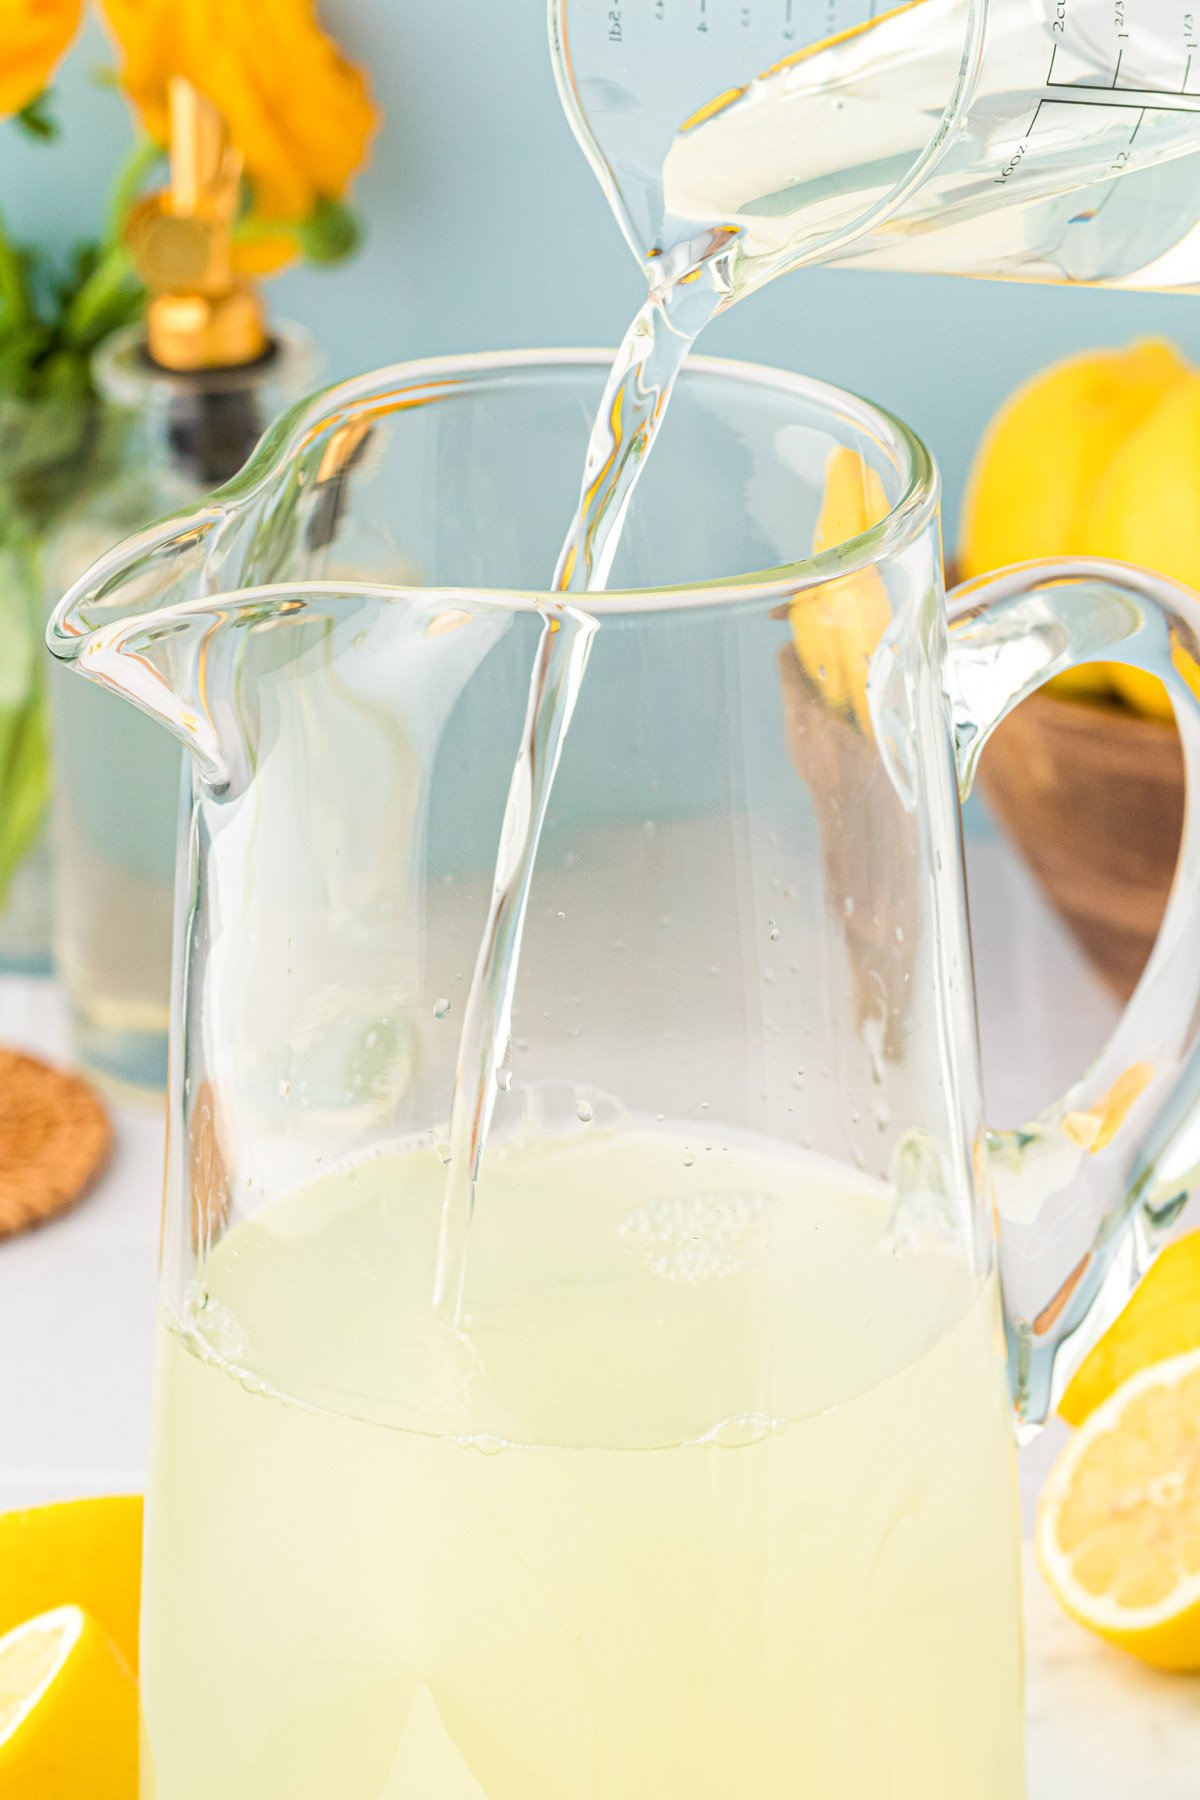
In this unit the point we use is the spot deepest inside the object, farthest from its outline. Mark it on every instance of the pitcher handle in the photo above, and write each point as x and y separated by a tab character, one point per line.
1085	1193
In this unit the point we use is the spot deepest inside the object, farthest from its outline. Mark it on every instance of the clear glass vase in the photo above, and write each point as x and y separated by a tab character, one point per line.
54	451
117	793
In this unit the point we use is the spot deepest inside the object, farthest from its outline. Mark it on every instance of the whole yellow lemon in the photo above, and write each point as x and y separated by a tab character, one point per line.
1040	484
1146	509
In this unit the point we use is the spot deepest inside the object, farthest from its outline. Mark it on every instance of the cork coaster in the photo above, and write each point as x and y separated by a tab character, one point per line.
55	1139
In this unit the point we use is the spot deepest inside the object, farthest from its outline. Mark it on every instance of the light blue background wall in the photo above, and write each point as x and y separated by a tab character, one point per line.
486	229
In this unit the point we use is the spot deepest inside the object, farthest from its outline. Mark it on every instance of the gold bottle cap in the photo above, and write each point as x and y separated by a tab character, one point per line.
201	316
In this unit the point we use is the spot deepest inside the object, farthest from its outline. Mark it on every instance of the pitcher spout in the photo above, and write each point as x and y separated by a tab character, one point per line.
142	621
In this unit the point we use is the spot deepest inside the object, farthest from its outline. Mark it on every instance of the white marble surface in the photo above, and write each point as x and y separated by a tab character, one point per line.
77	1300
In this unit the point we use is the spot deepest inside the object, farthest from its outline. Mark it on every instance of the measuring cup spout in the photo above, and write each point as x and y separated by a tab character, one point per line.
141	622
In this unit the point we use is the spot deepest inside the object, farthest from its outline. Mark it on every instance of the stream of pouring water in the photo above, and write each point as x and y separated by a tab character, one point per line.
635	399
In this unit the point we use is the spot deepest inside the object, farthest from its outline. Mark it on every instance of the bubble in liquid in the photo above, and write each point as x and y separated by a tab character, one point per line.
740	1432
773	932
485	1443
584	1111
694	1238
560	915
441	1007
504	1080
443	1150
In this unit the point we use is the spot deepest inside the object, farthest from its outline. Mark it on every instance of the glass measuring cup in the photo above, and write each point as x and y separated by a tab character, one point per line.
712	1493
1051	140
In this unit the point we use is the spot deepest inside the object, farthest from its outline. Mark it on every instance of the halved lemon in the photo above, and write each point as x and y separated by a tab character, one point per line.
1118	1533
68	1712
84	1553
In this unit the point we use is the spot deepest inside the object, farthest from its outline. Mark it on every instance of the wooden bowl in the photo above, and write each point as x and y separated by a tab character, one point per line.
1093	797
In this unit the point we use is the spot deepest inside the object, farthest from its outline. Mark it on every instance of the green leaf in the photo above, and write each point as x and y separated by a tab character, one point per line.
330	233
36	118
24	783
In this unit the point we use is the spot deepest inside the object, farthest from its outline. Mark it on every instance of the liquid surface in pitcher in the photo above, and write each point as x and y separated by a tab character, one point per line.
710	1499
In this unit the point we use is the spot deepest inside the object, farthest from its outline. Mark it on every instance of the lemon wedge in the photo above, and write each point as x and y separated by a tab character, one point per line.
837	626
68	1712
85	1553
1162	1319
1118	1532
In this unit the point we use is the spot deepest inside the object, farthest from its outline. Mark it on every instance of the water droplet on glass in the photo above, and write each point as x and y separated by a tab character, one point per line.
285	1090
848	905
560	915
584	1111
443	1150
441	1007
659	1117
688	1159
899	934
522	1043
504	1080
773	932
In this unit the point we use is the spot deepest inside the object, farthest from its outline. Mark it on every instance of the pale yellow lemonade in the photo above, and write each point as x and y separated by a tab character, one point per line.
712	1498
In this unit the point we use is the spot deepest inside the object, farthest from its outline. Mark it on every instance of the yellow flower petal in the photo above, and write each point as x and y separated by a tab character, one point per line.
300	114
33	36
256	256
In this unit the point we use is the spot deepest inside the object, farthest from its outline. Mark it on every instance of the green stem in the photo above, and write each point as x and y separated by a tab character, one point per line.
12	283
127	186
90	302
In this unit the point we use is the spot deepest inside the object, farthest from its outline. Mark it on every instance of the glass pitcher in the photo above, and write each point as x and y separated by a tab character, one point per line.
708	1490
1052	140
